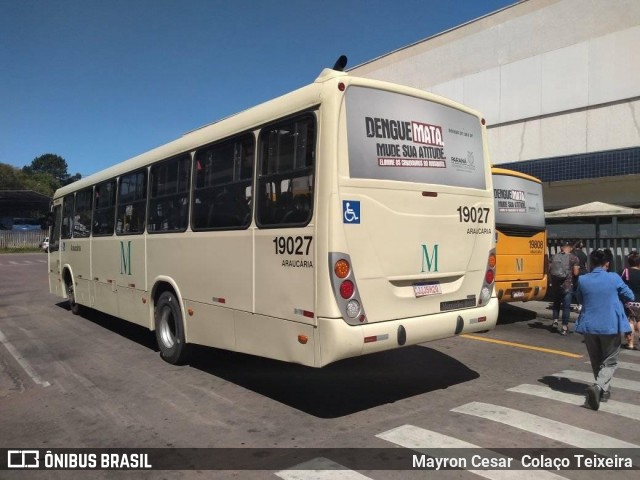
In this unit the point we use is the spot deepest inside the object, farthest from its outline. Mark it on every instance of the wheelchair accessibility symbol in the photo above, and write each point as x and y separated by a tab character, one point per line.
350	211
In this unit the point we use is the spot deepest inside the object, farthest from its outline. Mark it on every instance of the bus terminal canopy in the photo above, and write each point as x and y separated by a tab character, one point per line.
594	209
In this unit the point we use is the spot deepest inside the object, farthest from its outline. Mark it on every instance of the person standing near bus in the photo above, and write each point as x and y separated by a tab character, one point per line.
582	258
631	276
563	268
601	322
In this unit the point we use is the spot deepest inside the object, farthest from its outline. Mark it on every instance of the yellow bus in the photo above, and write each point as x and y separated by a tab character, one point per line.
521	237
347	217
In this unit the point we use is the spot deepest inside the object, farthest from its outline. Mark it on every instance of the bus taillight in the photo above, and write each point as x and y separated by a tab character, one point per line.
345	289
489	276
342	268
353	309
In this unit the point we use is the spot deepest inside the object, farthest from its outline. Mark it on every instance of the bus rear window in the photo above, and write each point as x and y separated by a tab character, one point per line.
398	137
518	202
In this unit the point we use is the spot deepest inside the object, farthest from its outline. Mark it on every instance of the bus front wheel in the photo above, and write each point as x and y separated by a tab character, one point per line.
170	330
75	308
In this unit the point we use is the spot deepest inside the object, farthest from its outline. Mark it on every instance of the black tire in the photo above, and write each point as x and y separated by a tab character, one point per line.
75	308
170	330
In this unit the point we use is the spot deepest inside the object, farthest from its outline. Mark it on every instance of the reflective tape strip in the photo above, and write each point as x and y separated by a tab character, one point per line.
376	338
304	313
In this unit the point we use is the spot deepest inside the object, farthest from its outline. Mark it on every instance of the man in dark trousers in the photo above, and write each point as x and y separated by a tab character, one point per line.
602	321
564	266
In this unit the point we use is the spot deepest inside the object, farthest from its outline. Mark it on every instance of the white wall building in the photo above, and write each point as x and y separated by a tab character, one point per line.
558	82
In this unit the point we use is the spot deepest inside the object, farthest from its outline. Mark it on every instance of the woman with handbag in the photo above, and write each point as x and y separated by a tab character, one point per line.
631	276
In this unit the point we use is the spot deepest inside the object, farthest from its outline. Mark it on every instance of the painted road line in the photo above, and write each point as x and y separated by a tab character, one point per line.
22	361
635	367
622	409
522	345
629	366
561	432
588	377
635	353
320	469
416	438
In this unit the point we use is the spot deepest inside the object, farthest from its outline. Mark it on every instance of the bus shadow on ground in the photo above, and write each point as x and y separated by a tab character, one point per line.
512	314
131	331
341	388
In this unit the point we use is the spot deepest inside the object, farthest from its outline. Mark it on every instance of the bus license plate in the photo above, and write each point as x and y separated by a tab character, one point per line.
424	289
517	294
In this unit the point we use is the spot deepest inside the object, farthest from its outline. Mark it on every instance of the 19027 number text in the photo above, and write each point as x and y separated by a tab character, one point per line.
473	214
292	245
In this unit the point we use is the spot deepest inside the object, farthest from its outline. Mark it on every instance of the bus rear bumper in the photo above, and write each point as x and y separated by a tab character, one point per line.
521	291
339	340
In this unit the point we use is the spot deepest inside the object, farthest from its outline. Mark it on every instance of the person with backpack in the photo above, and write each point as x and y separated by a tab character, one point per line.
563	268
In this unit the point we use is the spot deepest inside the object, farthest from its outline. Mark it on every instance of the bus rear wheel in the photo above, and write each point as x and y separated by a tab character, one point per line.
170	330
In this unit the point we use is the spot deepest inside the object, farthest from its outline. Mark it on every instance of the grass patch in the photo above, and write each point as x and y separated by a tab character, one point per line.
21	250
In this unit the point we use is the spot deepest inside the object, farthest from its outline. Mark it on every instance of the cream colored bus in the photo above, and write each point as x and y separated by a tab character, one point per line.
348	217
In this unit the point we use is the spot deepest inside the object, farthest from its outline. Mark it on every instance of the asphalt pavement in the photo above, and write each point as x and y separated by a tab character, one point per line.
544	309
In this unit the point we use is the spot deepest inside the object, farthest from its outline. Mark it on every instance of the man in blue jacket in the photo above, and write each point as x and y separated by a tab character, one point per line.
602	322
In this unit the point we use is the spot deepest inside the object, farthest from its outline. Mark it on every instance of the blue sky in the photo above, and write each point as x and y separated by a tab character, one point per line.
100	81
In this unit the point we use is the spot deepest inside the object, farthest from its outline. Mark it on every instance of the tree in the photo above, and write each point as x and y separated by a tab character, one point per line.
11	178
53	165
41	183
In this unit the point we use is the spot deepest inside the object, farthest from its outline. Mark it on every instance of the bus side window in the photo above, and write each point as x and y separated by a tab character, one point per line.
104	209
54	236
223	185
82	217
67	217
132	203
285	176
169	199
300	210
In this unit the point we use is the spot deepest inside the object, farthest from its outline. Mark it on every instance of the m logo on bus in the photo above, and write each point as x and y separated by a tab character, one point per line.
429	259
519	264
125	258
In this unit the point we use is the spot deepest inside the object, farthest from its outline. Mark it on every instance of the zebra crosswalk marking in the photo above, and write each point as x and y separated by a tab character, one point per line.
416	438
320	469
635	353
635	367
420	439
588	377
617	408
562	432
